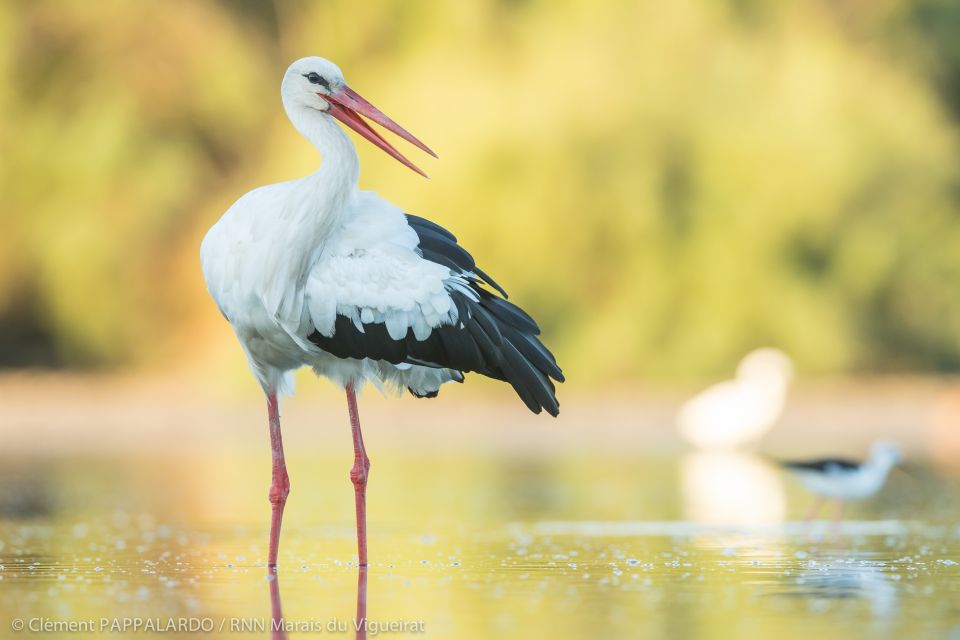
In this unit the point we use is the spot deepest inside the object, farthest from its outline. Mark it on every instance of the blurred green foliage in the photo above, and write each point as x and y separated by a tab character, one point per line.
664	185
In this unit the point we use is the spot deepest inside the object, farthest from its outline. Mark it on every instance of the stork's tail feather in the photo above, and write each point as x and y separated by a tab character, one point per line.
500	339
419	394
507	338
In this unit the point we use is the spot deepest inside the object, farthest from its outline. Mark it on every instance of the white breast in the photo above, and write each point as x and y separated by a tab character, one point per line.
845	484
364	265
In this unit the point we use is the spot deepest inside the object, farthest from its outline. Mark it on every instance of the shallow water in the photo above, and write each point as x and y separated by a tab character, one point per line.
471	547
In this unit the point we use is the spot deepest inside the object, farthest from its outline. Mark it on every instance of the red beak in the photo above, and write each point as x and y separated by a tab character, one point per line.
346	105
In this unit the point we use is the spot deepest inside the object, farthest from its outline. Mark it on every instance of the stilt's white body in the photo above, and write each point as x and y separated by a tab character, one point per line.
285	258
845	483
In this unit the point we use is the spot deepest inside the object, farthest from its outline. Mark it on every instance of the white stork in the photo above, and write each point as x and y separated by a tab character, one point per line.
314	272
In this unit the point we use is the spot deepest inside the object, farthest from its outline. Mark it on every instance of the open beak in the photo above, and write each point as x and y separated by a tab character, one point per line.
346	105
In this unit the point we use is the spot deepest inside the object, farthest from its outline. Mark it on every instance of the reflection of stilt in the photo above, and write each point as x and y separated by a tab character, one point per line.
361	619
836	525
846	581
277	631
728	487
840	508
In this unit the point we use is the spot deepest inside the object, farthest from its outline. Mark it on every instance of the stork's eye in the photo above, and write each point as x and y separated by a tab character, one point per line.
316	78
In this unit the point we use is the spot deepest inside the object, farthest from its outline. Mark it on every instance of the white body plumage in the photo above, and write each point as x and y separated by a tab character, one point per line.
739	411
843	480
363	264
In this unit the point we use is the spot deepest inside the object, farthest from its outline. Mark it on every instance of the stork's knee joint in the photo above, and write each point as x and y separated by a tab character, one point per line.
279	490
359	472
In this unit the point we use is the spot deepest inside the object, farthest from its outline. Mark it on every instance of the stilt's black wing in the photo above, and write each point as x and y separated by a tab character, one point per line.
493	337
824	465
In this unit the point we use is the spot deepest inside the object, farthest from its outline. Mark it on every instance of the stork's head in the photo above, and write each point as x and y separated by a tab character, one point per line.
316	83
766	364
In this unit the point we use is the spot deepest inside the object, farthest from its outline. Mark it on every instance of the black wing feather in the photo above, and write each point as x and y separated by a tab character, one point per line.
535	352
490	281
489	324
433	243
419	223
823	465
439	245
510	313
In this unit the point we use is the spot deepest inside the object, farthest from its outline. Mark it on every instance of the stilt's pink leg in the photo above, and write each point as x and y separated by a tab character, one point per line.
838	520
814	509
841	508
358	475
280	485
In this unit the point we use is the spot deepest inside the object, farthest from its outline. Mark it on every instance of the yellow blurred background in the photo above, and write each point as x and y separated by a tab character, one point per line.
663	185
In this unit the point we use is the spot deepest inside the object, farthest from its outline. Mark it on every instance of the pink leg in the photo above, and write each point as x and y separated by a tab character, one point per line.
841	508
358	475
814	509
280	485
838	521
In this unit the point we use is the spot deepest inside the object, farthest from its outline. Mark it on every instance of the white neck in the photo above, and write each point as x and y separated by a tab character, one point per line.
882	463
338	174
314	207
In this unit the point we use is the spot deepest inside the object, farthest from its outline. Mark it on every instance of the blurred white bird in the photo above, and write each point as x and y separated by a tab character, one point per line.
735	412
842	480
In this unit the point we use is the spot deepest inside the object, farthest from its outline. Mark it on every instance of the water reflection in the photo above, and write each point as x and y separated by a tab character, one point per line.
27	490
278	627
729	487
843	579
361	619
277	631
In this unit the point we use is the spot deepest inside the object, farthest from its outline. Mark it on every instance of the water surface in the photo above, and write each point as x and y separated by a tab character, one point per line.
473	546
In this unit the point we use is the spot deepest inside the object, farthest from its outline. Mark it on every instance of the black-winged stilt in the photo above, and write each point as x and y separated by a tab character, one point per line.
843	480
